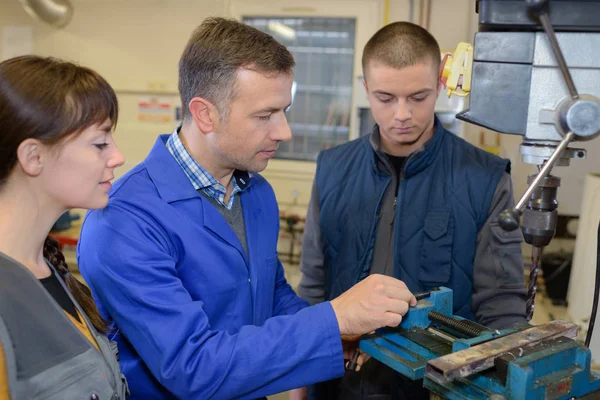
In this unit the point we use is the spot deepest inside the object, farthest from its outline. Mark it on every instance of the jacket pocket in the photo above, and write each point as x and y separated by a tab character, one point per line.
82	377
508	259
436	254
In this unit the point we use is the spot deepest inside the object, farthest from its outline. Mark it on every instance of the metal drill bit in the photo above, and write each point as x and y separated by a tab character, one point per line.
536	253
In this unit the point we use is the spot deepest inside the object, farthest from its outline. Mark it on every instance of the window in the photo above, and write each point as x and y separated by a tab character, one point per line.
324	52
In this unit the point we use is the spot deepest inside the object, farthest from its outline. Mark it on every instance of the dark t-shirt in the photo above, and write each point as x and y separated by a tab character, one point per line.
58	293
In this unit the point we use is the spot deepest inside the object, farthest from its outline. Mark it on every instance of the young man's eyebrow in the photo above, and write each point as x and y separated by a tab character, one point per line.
422	91
418	92
383	93
272	109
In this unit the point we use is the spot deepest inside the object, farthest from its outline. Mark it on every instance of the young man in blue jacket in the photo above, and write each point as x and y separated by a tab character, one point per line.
413	201
183	261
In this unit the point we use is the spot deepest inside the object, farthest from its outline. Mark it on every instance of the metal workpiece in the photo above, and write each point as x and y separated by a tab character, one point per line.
441	334
479	358
556	369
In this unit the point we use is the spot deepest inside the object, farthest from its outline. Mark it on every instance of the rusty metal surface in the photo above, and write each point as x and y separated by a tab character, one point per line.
560	389
481	357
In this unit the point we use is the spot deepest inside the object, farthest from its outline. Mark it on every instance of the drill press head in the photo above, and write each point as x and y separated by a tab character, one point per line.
519	87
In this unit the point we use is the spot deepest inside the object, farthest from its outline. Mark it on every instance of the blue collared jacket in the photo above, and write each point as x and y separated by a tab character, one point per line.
195	317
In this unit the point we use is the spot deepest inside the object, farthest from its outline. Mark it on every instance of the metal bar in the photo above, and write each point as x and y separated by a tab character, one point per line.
422	295
560	59
481	357
441	334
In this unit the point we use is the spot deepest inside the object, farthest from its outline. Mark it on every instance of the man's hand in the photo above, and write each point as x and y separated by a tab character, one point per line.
350	346
299	394
371	304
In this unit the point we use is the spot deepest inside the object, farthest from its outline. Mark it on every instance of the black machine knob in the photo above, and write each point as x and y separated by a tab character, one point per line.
538	7
509	219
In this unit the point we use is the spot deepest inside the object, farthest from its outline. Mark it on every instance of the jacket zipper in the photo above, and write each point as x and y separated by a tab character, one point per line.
397	213
372	235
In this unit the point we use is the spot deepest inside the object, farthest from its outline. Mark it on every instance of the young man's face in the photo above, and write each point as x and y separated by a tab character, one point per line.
403	102
257	123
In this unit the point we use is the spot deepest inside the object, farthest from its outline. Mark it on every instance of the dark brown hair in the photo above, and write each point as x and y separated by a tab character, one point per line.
50	100
401	44
216	49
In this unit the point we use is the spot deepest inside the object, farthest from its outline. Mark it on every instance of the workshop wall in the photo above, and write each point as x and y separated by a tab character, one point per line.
135	44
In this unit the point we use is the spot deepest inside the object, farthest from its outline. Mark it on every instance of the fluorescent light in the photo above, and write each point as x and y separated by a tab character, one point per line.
282	30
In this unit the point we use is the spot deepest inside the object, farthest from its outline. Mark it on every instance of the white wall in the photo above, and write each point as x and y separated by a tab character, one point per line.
130	42
135	45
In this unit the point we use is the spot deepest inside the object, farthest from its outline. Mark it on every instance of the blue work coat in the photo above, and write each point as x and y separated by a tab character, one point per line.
195	317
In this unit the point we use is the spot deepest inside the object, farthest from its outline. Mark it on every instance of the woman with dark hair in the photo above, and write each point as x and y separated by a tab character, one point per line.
56	153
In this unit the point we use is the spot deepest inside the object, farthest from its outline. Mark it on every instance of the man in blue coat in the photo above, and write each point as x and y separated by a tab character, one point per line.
183	261
413	201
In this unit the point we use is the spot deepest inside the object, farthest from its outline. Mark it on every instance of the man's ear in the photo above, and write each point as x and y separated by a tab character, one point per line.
204	113
364	82
30	156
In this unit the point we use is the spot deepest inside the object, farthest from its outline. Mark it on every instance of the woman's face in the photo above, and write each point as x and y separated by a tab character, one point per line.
78	171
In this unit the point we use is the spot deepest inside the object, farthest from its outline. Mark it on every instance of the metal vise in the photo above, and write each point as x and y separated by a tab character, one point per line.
460	359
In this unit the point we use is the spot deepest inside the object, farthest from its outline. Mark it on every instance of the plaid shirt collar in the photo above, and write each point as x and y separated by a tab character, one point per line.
200	178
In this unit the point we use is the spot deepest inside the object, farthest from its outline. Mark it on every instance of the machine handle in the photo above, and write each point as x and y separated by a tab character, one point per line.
540	9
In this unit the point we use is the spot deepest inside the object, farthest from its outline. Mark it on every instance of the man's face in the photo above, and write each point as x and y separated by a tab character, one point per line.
257	123
403	102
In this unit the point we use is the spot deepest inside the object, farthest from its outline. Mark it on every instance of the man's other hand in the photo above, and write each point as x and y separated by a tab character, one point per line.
373	303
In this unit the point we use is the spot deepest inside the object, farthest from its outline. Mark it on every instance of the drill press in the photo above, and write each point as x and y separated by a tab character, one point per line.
521	85
542	102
